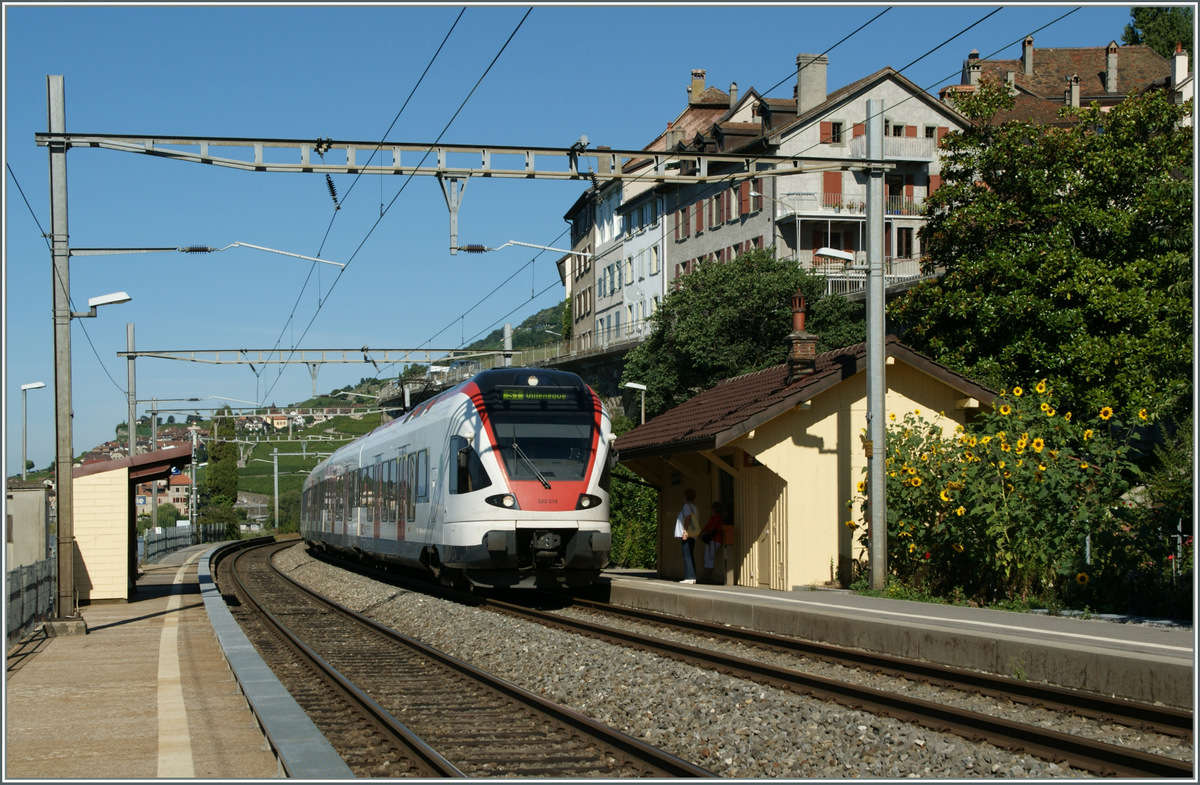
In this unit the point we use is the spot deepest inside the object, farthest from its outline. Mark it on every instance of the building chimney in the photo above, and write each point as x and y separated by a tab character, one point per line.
732	94
1027	55
802	351
697	87
1110	69
1179	66
1073	90
810	81
974	68
1010	80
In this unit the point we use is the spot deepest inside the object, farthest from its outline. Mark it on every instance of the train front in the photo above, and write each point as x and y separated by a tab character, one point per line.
528	502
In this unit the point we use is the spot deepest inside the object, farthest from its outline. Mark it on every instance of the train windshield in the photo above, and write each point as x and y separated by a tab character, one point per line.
543	435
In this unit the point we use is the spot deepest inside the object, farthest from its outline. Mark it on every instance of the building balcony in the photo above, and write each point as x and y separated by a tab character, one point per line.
897	148
850	205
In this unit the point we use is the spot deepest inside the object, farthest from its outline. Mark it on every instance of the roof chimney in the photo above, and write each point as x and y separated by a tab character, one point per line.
732	94
1027	55
1073	90
1110	69
973	68
810	81
802	351
1179	66
697	86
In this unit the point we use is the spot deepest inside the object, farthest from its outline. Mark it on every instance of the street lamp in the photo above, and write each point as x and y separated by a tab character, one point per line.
760	195
24	389
642	387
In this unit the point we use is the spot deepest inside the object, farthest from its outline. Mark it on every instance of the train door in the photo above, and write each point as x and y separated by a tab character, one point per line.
376	509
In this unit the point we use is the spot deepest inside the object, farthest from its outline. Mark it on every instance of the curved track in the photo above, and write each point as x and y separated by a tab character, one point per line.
478	725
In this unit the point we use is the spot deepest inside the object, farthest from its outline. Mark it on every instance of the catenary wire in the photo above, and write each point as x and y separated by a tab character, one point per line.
370	231
70	303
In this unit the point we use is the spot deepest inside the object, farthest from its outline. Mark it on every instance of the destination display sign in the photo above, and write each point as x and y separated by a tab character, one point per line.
536	395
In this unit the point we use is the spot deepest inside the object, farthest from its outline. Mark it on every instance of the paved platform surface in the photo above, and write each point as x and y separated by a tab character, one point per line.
1152	662
147	692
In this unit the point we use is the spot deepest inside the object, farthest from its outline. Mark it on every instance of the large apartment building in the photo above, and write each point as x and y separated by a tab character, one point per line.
634	237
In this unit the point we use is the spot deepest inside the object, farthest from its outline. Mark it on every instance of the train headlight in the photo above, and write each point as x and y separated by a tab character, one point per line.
505	500
587	501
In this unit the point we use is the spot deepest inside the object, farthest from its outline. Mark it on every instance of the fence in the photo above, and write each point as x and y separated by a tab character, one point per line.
152	546
30	597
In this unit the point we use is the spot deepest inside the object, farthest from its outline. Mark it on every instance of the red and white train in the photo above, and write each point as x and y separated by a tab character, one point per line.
501	482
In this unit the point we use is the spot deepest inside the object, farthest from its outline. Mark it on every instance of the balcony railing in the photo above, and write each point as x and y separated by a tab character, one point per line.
897	147
825	205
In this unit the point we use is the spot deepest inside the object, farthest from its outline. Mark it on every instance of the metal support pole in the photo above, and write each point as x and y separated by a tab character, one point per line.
24	429
68	620
131	374
275	460
876	362
153	447
508	333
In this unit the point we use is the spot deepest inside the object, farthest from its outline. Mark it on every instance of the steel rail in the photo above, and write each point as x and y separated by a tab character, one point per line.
1159	719
423	754
660	762
1097	757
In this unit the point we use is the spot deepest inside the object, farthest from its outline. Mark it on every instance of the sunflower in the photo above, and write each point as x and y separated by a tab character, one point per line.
862	486
1067	416
1041	386
1143	414
1082	579
945	495
960	511
1106	413
957	548
1006	409
1038	444
851	525
1087	434
912	547
916	482
1017	392
1050	412
1045	406
1084	465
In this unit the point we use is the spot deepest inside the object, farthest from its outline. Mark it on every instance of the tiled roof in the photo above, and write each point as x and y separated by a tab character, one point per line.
1137	68
735	406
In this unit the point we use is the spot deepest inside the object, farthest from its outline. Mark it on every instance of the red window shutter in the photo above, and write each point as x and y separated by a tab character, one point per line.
908	185
941	131
826	132
848	242
700	216
744	197
935	182
910	131
833	182
818	239
860	129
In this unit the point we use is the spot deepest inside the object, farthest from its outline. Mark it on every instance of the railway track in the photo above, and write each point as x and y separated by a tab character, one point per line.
394	707
1082	753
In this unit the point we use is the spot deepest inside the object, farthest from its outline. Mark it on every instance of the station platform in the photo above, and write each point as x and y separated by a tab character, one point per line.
158	687
1137	659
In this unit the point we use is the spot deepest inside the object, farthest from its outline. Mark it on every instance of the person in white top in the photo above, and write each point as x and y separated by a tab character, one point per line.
687	526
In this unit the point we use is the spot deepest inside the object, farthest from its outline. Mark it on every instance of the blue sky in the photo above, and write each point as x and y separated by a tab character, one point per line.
615	73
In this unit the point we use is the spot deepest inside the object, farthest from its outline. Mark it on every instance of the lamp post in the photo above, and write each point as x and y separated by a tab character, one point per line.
24	389
642	387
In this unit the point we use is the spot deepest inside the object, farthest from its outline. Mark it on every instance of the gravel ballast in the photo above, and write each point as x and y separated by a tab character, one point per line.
732	727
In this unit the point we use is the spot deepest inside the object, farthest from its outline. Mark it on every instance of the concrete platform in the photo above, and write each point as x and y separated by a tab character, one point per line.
1144	662
148	691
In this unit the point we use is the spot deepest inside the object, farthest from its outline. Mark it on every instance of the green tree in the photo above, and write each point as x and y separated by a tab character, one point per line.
222	475
1160	28
731	318
1068	255
633	513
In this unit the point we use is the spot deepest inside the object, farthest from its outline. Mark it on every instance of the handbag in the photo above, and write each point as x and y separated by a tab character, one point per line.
708	537
691	525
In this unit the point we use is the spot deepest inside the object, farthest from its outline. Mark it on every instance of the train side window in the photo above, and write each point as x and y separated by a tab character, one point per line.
467	473
423	476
